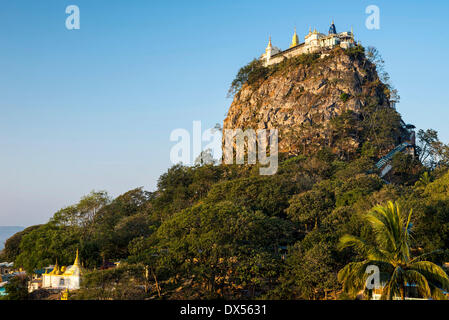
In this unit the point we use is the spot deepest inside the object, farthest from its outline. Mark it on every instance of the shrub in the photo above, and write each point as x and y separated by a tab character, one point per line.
356	52
250	74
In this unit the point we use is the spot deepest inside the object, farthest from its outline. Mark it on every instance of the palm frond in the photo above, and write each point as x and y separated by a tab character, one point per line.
368	250
393	287
432	272
413	277
437	293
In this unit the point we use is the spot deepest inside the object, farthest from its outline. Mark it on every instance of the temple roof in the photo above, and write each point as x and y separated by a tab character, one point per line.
74	269
332	29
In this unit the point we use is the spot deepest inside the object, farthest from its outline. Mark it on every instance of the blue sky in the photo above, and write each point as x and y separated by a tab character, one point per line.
93	108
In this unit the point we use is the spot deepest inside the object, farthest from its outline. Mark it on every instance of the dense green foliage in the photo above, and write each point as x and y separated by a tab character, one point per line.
16	288
12	245
224	231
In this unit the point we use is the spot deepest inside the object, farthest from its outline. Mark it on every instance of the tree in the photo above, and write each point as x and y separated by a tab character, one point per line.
374	56
46	244
205	158
84	212
391	253
221	245
116	224
122	283
248	74
12	245
311	207
17	288
268	194
310	272
431	151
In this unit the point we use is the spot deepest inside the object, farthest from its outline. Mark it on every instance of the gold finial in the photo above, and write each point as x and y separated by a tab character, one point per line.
310	30
314	30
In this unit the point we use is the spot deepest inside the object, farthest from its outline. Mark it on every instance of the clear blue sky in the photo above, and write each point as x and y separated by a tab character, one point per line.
93	108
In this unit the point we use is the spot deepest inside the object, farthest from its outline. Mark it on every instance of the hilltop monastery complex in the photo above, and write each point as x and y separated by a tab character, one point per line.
314	42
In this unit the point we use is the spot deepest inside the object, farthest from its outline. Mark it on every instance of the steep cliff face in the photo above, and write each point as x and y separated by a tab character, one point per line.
312	99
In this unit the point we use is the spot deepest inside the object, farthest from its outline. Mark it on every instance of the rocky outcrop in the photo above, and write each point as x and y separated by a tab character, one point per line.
300	97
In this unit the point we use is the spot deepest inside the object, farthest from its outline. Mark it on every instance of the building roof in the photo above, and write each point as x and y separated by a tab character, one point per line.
287	50
7	264
332	29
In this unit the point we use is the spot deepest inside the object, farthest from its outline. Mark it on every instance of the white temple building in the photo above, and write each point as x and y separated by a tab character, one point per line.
313	42
63	278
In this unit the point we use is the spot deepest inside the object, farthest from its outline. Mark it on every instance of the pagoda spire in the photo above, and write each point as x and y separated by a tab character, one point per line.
295	40
269	42
77	259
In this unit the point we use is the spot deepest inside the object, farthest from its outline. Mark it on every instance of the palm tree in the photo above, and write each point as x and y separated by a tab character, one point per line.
391	253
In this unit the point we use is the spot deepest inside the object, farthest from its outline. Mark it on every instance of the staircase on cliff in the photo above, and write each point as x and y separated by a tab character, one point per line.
384	164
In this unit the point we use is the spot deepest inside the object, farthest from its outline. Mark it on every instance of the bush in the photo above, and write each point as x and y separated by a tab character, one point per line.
17	288
306	59
250	74
356	52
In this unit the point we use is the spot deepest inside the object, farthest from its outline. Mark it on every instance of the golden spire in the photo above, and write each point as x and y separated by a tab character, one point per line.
314	30
269	46
77	259
295	40
310	30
